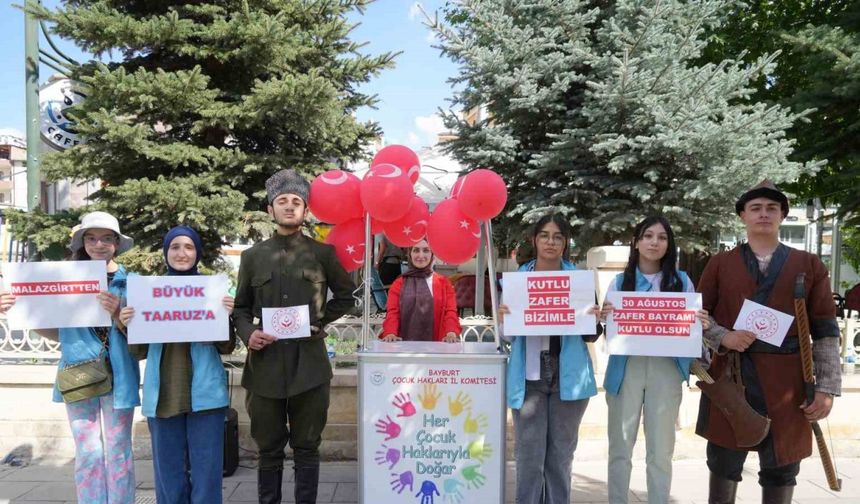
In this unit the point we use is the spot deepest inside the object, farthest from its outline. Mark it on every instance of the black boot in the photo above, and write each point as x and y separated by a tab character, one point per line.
269	485
307	480
776	494
721	490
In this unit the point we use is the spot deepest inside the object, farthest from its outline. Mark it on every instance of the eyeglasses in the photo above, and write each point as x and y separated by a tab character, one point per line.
106	239
546	238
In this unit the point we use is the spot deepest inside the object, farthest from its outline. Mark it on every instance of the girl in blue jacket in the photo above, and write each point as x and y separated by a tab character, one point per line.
185	397
549	382
101	426
639	383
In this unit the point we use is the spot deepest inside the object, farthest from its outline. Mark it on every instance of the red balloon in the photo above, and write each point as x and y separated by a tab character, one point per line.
402	157
348	241
376	226
458	185
386	193
452	235
482	195
412	227
335	197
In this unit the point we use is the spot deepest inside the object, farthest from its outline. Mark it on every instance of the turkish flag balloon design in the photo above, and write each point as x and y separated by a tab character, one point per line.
348	241
412	227
335	197
402	157
386	193
482	195
452	235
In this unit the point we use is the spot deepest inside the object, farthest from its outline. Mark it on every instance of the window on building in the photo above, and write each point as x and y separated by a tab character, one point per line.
792	234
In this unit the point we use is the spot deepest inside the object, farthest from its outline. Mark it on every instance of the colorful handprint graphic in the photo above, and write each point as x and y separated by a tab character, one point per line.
389	427
459	403
401	481
471	425
387	455
473	478
453	495
430	396
403	402
427	490
404	416
479	450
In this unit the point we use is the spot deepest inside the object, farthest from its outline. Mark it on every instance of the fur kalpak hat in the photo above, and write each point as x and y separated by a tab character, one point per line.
287	181
764	189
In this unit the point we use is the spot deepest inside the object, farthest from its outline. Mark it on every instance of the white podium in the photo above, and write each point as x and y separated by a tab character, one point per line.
431	423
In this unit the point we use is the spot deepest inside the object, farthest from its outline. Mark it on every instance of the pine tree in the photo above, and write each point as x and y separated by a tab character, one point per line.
818	70
829	56
204	102
600	110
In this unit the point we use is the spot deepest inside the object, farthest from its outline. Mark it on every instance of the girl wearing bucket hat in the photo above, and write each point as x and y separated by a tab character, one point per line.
185	396
101	425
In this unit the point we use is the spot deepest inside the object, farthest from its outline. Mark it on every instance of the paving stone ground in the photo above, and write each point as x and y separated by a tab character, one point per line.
50	481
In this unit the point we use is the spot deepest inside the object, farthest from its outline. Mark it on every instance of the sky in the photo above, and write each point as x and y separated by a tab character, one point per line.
409	94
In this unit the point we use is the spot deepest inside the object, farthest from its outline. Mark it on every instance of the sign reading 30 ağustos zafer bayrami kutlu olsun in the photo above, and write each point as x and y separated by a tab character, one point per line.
656	324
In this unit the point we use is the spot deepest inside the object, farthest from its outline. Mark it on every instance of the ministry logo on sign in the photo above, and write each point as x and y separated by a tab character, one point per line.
286	321
763	323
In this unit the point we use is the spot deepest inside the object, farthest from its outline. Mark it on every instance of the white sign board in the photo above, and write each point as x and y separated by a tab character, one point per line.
432	432
546	303
767	324
174	309
657	324
288	322
56	294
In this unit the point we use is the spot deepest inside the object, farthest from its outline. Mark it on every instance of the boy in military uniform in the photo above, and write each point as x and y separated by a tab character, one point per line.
287	380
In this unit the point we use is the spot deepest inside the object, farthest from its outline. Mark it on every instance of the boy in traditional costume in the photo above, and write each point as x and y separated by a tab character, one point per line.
769	273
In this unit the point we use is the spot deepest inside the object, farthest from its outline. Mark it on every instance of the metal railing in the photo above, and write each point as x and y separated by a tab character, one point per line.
25	347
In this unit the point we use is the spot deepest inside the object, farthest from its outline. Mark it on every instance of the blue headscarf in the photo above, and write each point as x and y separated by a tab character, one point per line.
198	244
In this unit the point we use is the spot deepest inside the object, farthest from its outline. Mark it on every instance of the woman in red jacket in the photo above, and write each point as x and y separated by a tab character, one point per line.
421	303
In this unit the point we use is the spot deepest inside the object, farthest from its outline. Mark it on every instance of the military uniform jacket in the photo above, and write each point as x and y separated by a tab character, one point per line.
282	271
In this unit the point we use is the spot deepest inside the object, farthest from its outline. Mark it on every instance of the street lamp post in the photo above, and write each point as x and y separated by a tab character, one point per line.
31	103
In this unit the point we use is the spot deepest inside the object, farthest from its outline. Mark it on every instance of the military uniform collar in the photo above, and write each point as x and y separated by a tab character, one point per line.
286	240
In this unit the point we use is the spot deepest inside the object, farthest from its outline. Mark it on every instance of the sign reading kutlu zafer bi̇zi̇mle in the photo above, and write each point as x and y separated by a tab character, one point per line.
432	433
545	303
659	324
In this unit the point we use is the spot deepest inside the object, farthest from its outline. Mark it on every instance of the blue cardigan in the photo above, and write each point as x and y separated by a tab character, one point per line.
208	379
576	373
618	363
78	344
